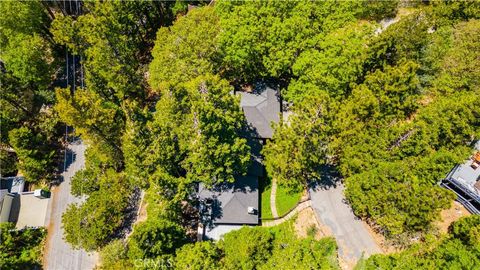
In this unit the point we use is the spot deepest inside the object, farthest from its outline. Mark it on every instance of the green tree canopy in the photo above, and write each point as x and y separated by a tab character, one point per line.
247	248
92	224
299	145
264	38
196	126
396	199
447	252
154	238
304	254
185	50
27	67
198	256
33	153
460	66
20	249
335	63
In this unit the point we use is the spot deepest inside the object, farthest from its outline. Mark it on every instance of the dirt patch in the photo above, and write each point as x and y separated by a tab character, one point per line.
306	224
46	243
386	246
450	215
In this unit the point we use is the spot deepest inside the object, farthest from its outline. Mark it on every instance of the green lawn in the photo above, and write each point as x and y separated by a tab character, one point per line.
265	189
286	200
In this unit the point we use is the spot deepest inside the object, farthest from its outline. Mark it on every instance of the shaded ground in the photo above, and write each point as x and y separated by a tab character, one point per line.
387	246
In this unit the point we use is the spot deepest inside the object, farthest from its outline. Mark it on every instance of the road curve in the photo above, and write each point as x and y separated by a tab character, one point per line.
352	236
58	254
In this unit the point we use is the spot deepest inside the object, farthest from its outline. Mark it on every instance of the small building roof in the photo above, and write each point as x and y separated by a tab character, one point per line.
28	210
261	107
468	176
22	208
231	201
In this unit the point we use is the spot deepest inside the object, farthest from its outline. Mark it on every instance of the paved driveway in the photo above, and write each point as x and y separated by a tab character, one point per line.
351	234
60	255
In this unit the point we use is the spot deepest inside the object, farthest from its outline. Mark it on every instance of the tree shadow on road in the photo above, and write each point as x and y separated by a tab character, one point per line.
68	159
330	178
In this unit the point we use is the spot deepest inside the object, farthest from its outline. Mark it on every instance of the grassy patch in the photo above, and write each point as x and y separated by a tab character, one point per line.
286	199
265	189
291	252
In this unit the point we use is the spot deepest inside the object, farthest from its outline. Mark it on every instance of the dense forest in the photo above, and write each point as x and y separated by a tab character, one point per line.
459	249
392	109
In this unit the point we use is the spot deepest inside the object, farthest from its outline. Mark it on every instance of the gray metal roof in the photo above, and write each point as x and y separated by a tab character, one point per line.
261	107
231	200
467	176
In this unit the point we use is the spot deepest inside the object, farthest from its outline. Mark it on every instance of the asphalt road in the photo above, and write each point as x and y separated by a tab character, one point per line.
352	236
59	255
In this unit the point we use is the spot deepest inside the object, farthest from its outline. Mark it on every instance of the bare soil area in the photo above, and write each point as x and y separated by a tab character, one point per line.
307	224
386	246
448	216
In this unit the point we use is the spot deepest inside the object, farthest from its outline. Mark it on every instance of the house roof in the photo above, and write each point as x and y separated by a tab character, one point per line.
12	184
466	175
232	200
6	200
261	107
19	207
29	211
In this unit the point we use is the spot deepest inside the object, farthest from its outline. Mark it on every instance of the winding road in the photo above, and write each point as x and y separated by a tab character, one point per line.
353	238
59	255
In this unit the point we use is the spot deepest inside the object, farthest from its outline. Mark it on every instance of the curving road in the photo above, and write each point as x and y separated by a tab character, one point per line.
353	238
59	255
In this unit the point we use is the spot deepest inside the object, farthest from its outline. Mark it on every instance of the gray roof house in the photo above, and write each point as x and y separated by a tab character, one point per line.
464	180
229	206
24	208
261	107
230	202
